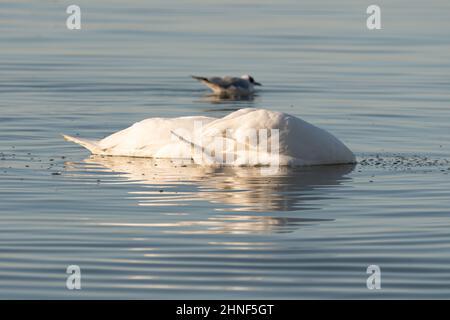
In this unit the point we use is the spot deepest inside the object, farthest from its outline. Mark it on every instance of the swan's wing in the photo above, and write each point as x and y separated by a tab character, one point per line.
199	150
230	150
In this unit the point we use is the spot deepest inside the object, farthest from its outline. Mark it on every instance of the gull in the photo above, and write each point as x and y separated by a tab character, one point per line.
232	86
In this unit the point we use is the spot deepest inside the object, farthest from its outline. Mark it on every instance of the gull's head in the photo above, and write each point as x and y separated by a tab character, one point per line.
251	80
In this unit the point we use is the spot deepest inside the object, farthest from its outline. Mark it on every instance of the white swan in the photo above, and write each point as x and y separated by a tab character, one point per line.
236	139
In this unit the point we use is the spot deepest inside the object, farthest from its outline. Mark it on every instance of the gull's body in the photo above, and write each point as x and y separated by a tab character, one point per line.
300	143
233	86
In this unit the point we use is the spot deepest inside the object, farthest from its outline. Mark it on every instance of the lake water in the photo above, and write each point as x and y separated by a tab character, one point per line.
143	231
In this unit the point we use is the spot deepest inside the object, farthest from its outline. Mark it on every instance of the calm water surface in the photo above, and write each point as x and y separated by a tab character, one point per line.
145	229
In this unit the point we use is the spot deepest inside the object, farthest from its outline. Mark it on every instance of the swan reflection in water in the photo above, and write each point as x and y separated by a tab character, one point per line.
226	189
244	188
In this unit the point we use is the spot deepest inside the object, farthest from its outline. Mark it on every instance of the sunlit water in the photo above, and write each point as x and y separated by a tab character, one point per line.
141	228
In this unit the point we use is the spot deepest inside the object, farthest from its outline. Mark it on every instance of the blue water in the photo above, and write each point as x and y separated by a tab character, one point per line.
143	231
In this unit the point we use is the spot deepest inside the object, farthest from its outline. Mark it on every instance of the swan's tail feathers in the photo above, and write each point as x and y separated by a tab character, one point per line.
91	145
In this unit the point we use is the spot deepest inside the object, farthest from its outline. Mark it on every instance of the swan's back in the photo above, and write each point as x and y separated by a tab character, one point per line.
300	143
